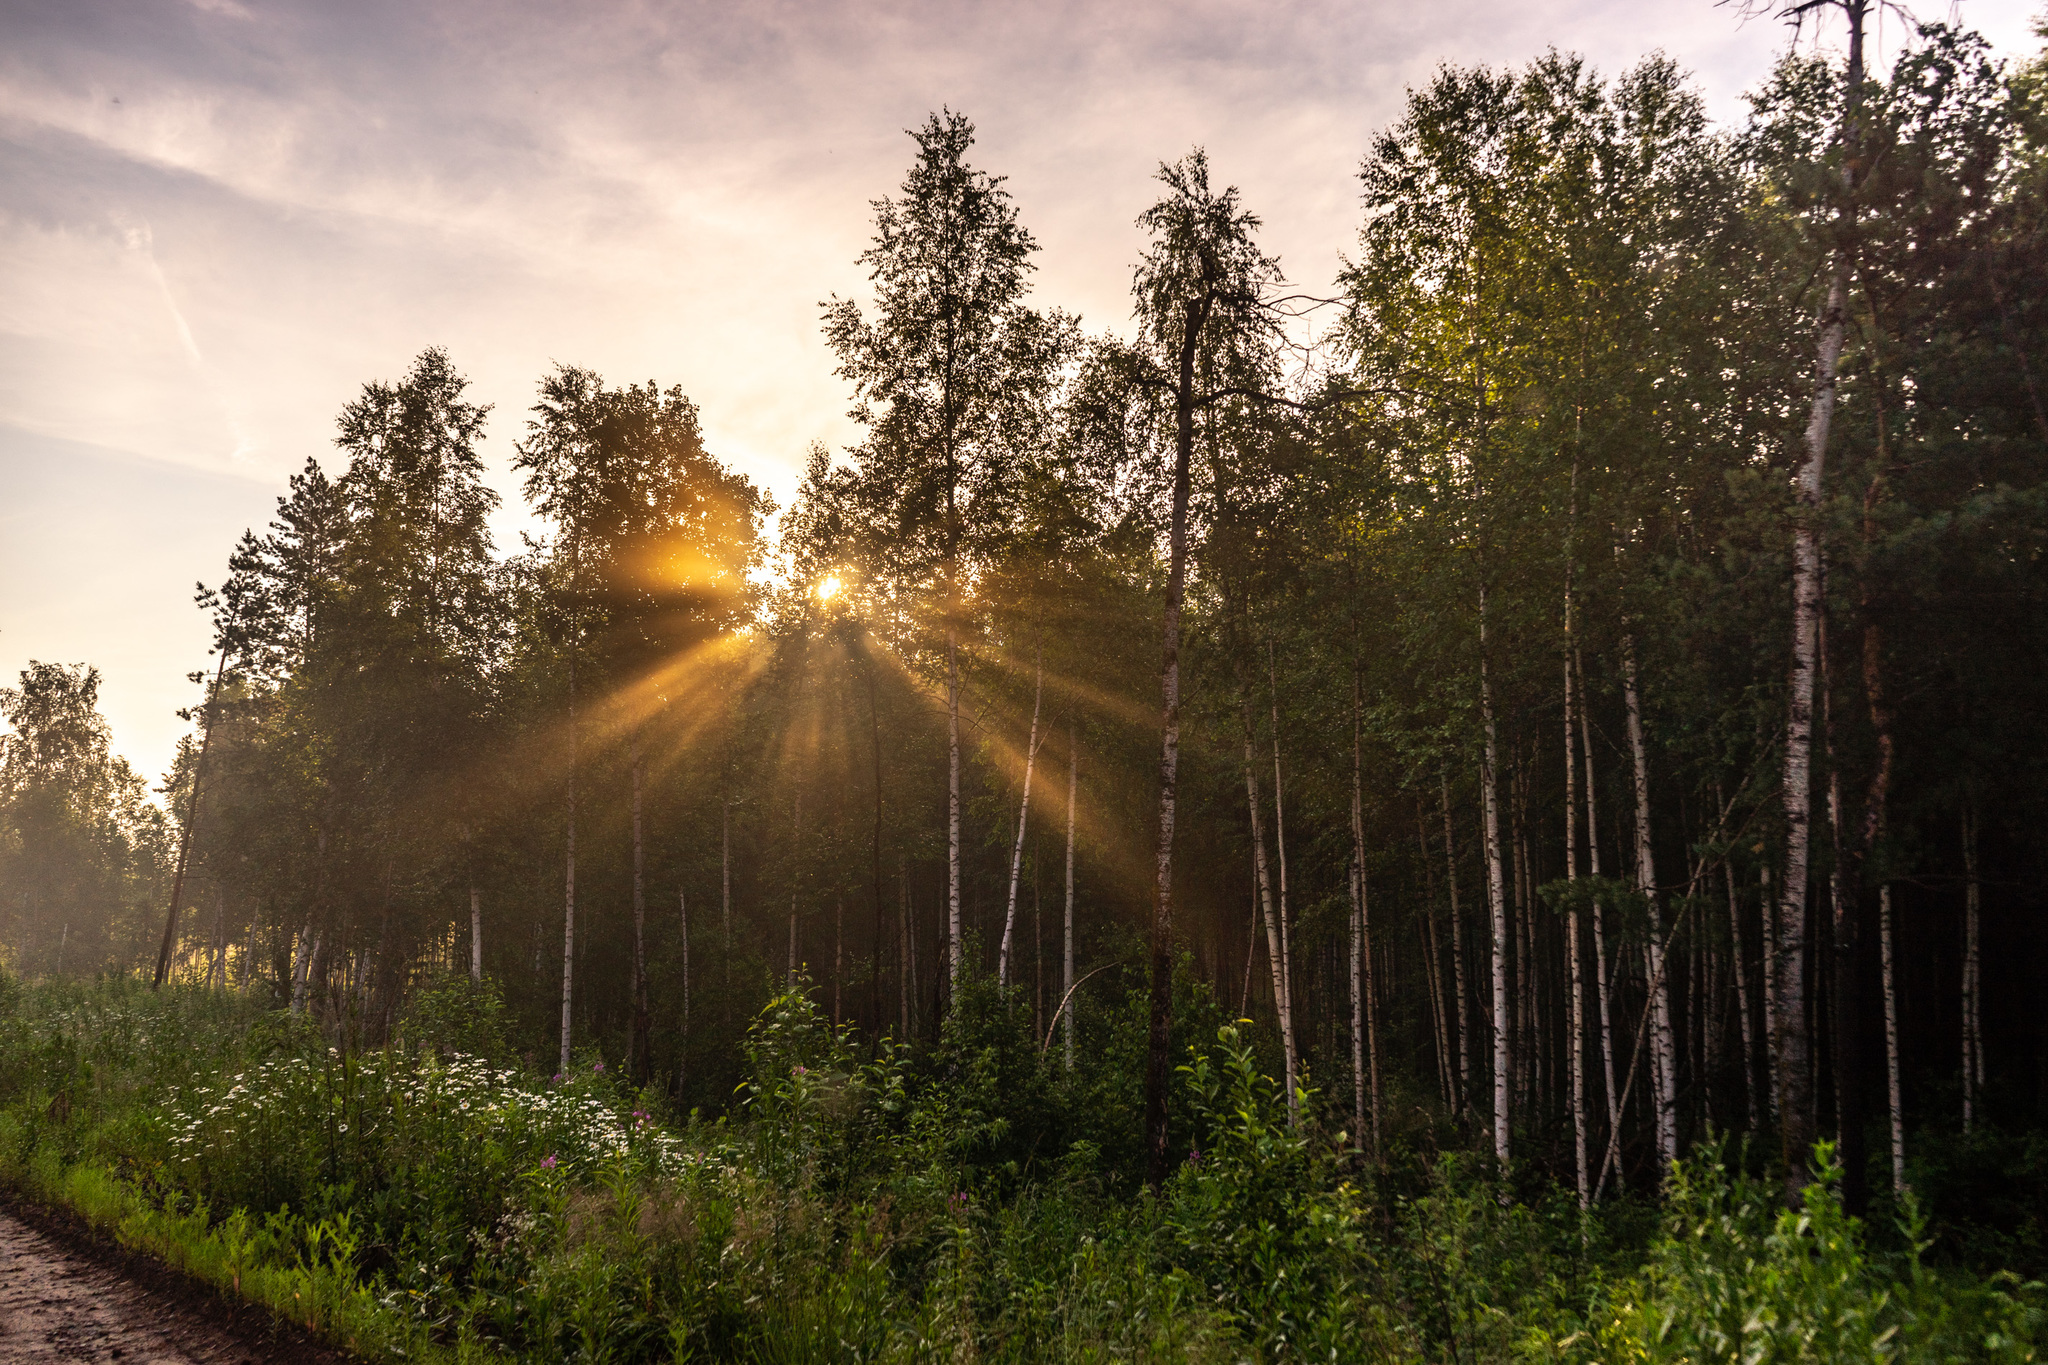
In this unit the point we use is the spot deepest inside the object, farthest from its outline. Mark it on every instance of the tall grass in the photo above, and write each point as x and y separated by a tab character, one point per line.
864	1204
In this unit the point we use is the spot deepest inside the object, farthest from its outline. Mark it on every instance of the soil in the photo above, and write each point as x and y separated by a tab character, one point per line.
69	1293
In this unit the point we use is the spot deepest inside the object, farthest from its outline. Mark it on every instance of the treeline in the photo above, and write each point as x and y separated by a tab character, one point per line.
1586	699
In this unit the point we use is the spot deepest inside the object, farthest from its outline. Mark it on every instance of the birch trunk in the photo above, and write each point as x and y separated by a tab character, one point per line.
1793	1044
1438	1010
838	953
1497	900
214	965
1600	980
1891	1039
1571	928
569	883
476	936
1876	812
1281	1005
875	844
1457	952
1662	1055
1741	974
1159	1008
1037	945
953	948
1067	938
303	959
1280	848
1023	818
163	957
1357	1013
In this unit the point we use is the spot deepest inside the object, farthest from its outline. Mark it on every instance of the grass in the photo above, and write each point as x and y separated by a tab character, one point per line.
429	1201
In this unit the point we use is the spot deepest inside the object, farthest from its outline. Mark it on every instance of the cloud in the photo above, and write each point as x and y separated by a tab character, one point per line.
657	190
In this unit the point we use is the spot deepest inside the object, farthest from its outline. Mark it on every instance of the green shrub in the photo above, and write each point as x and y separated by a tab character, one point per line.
1735	1278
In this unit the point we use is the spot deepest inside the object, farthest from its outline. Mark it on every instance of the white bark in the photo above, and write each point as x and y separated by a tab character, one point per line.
1792	1042
215	966
1663	1057
476	936
1600	980
301	967
1891	1039
1023	818
1571	873
953	947
1281	1004
1280	848
1497	900
569	882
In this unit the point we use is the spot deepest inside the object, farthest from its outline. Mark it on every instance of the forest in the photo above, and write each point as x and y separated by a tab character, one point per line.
1475	810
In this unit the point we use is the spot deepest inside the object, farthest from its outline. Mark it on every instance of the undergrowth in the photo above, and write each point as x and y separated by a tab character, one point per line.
429	1200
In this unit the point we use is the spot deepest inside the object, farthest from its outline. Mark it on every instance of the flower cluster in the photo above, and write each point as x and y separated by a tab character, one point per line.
391	1095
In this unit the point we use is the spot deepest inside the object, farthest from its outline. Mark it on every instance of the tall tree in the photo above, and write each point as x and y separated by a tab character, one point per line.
1798	1121
942	374
1202	310
657	539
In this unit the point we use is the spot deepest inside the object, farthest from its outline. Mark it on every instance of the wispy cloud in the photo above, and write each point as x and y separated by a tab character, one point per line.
658	190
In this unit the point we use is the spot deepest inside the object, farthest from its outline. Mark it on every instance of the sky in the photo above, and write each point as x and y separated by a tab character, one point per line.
220	218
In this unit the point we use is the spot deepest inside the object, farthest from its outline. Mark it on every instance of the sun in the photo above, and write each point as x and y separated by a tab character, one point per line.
828	588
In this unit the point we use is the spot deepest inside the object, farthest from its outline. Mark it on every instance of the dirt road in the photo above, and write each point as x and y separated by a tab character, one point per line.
64	1299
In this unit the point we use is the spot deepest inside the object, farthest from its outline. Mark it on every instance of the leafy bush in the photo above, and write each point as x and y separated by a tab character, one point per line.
1261	1218
1735	1278
457	1015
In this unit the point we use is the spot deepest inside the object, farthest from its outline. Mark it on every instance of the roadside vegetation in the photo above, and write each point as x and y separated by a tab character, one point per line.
432	1200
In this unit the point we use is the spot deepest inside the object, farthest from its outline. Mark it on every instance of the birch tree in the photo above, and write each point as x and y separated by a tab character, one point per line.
943	372
1201	300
